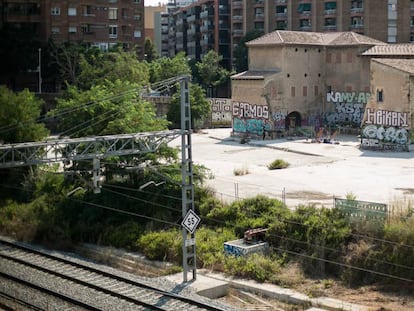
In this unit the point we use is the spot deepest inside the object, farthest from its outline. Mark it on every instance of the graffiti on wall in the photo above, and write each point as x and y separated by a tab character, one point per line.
348	108
279	119
247	110
384	126
221	112
250	118
387	118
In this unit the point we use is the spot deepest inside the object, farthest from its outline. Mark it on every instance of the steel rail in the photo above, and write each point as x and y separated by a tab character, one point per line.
156	290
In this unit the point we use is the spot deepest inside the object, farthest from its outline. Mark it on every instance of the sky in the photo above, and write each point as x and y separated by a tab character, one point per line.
154	2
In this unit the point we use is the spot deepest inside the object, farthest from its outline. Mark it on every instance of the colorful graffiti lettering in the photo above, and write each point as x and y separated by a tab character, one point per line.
221	112
387	118
347	97
279	119
345	113
348	108
253	126
247	110
233	250
386	134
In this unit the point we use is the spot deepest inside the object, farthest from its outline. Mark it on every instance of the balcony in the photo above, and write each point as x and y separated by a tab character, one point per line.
238	32
330	12
357	11
237	4
237	18
280	1
259	17
357	26
191	18
329	27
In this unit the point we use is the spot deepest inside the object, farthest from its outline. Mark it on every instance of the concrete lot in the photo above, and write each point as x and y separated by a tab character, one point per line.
317	173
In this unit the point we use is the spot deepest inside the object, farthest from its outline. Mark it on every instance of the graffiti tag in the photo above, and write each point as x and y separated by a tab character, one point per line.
247	110
387	118
386	134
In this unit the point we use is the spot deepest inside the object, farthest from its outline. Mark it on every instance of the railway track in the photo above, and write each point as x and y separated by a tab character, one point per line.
80	286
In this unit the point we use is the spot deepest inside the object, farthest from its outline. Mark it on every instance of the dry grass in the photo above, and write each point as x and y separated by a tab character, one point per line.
244	170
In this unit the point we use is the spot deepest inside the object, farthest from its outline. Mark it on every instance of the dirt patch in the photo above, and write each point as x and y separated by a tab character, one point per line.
376	297
406	191
309	195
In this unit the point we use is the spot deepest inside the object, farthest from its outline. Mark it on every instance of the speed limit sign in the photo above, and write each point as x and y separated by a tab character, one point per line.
190	221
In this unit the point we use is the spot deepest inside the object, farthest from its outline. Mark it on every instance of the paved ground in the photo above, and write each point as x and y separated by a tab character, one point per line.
316	174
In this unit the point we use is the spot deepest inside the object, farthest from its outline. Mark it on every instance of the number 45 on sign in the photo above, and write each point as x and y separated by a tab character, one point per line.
190	221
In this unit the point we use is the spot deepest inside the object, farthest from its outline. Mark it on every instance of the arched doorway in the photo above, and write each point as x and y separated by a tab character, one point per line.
293	120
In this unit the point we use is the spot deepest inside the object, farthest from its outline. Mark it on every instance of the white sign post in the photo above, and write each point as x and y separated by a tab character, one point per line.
190	221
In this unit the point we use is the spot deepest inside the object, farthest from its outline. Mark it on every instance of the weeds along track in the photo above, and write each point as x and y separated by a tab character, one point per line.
50	282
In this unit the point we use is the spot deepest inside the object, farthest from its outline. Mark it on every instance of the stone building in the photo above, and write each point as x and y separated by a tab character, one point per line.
388	119
301	81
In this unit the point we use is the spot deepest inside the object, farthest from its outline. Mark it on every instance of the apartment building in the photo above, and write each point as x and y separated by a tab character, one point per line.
386	20
200	27
102	23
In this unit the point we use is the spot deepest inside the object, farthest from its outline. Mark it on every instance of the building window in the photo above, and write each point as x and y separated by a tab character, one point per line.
55	30
349	57
86	28
72	29
137	34
316	90
305	91
292	91
137	16
338	58
72	12
328	58
113	13
330	23
304	8
113	31
380	96
55	11
137	1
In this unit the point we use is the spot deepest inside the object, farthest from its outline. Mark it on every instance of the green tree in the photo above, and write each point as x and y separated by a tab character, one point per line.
240	53
210	73
150	52
200	107
164	68
96	68
106	109
66	59
19	114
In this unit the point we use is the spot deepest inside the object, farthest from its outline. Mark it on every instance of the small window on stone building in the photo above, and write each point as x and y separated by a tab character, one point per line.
348	89
329	88
338	58
292	91
349	57
380	96
328	58
305	91
316	90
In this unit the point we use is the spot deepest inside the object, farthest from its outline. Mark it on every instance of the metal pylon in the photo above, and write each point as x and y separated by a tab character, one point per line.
187	186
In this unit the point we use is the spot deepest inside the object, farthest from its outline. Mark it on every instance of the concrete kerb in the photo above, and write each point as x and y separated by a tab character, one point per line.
285	295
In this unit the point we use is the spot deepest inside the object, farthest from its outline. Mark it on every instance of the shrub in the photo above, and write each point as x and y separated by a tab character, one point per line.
255	266
241	171
278	164
162	245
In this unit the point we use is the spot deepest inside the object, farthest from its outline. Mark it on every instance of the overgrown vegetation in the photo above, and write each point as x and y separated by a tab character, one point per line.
241	171
35	205
278	164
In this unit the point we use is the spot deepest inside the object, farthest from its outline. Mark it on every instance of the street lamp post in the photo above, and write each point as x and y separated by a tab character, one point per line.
39	70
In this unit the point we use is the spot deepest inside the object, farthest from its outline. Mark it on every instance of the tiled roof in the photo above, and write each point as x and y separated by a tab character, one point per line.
313	38
254	74
406	65
391	50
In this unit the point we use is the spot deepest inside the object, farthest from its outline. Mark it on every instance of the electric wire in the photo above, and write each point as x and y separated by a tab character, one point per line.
279	249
